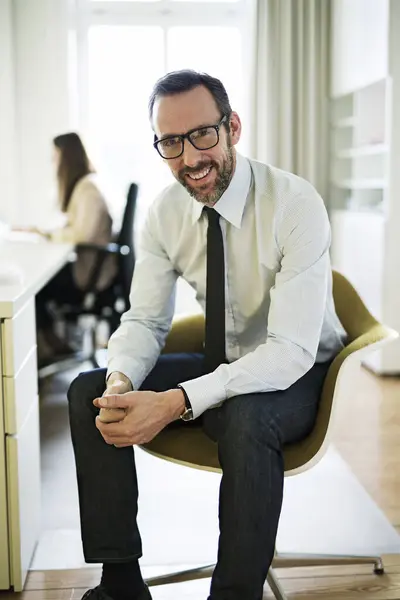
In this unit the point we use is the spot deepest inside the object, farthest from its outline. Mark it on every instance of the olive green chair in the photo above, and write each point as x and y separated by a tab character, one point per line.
189	446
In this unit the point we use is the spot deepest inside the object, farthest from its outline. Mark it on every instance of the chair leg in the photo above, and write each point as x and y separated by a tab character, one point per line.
282	561
89	341
93	341
275	586
207	571
61	365
180	576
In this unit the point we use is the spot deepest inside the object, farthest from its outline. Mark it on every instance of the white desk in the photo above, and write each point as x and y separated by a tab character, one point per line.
19	410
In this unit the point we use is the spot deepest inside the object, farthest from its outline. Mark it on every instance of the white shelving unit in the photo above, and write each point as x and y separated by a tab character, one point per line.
359	148
364	199
359	181
373	149
361	184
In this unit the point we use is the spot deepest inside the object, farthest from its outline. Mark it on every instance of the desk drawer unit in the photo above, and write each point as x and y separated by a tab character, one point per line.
18	338
4	557
20	440
23	485
20	392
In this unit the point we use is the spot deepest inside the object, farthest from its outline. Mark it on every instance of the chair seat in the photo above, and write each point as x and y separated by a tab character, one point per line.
186	445
190	446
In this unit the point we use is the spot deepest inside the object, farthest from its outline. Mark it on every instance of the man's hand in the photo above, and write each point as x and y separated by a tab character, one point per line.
146	414
117	383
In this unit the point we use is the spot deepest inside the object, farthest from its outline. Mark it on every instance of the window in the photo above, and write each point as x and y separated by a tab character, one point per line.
124	48
203	49
118	129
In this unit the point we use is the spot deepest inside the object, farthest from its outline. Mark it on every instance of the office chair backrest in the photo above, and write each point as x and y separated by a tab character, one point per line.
364	333
351	310
125	238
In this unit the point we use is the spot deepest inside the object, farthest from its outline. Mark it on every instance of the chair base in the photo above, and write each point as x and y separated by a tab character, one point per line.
281	561
69	362
87	354
180	576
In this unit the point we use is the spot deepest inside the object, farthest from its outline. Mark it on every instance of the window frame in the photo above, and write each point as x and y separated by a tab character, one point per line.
165	14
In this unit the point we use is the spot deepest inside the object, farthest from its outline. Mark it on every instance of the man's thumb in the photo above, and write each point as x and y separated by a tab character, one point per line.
113	401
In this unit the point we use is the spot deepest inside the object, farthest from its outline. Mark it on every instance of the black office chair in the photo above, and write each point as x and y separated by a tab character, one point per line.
100	305
111	302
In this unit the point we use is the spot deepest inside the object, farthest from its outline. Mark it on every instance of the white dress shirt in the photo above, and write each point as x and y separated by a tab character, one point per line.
279	311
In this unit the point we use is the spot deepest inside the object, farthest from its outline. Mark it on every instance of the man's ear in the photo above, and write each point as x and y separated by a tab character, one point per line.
235	126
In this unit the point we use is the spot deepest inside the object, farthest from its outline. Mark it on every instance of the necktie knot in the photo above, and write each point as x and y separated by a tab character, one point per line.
212	214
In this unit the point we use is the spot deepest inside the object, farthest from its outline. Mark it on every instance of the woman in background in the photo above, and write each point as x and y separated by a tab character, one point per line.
88	221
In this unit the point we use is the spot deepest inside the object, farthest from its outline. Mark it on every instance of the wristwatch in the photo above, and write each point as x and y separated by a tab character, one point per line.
187	414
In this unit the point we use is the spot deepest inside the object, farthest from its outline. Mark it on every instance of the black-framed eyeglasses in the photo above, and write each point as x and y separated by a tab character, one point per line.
202	138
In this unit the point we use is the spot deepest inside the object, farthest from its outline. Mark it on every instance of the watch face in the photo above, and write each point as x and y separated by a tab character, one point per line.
187	415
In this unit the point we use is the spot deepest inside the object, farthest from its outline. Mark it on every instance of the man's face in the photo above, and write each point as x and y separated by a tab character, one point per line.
205	174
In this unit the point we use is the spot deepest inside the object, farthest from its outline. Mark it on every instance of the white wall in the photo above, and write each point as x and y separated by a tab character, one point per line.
359	37
7	115
42	98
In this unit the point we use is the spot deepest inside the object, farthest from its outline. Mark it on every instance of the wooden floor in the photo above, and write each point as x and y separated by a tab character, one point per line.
346	583
367	434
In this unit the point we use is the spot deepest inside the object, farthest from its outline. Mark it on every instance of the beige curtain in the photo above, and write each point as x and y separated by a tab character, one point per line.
291	87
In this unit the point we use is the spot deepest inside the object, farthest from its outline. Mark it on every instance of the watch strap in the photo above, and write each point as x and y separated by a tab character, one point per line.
187	415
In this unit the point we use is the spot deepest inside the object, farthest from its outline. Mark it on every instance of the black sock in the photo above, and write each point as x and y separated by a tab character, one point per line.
122	581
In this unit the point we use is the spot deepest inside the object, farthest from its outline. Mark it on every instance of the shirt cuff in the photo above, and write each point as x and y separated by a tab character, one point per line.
124	365
204	392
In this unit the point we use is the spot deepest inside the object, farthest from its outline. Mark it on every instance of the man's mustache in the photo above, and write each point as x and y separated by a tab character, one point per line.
196	169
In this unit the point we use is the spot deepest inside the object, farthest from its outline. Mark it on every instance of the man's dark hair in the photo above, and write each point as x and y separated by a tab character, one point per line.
177	82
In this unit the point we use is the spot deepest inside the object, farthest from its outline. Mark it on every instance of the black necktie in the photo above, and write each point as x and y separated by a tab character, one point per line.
215	294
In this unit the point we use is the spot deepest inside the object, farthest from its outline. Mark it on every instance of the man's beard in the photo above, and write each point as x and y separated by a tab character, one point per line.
222	181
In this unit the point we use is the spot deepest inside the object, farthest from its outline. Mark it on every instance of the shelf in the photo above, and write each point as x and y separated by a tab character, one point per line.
370	150
376	211
345	122
361	184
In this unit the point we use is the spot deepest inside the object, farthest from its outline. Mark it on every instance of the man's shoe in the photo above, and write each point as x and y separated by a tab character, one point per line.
99	593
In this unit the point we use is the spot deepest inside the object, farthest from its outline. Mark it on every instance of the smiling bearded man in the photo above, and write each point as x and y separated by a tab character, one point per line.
253	241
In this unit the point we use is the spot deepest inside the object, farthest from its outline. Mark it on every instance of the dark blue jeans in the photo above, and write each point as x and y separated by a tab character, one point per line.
250	430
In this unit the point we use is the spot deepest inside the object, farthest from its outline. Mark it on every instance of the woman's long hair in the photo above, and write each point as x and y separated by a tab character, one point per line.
73	165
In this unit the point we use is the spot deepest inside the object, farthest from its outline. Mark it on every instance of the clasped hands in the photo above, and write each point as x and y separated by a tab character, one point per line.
131	417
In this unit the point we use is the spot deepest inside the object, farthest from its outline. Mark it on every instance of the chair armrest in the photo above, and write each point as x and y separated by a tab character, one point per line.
186	335
111	248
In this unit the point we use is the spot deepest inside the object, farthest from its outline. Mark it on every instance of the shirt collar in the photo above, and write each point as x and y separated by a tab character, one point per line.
232	202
